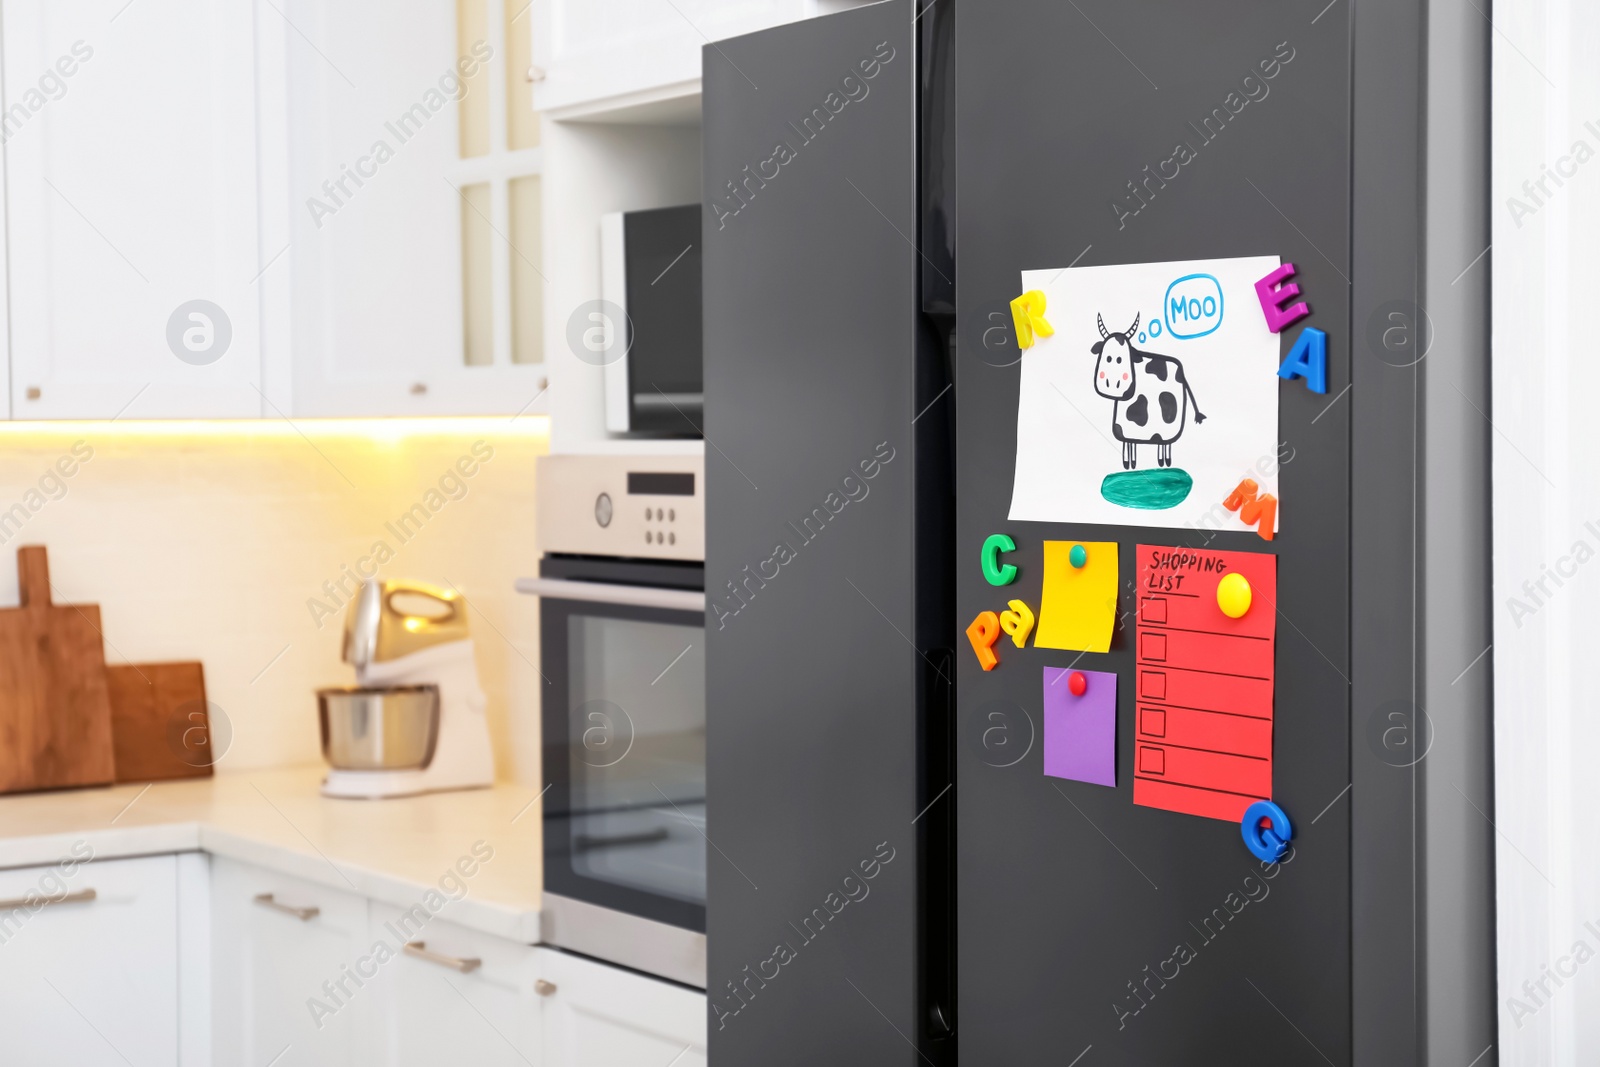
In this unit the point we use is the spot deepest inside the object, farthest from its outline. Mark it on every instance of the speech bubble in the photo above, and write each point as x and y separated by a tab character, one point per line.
1193	306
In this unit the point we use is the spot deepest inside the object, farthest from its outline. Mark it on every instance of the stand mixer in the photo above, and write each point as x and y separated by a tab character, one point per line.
414	722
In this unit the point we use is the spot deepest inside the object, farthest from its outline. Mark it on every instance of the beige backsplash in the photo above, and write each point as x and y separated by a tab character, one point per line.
238	544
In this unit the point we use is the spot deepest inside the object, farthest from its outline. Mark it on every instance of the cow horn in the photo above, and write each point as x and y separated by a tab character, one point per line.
1104	333
1134	328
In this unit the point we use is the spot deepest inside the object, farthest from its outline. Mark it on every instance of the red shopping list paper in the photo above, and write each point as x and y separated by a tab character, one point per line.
1203	685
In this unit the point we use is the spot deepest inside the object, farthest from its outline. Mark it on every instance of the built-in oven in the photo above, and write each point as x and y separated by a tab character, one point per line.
622	651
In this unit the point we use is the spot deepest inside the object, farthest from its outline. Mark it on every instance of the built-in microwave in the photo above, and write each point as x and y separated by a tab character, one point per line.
650	277
622	650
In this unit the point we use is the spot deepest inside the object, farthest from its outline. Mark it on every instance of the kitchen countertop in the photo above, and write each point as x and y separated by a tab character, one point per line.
389	850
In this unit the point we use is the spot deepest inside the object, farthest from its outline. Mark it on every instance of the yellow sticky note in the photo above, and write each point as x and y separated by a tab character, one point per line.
1079	607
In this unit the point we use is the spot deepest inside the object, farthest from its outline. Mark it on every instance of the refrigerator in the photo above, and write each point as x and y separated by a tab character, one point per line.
920	855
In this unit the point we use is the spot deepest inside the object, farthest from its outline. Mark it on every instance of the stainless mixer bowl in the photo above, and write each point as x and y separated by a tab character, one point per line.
392	729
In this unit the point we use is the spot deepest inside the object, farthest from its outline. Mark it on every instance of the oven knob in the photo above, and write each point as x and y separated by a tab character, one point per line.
602	509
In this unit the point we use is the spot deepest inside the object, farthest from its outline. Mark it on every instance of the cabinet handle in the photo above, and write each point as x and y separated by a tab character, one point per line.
543	988
34	392
305	915
419	949
535	74
82	896
418	388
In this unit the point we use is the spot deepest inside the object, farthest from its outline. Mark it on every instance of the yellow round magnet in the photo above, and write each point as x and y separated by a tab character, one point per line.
1233	595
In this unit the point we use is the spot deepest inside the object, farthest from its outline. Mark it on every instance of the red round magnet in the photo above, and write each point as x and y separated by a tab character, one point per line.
1077	683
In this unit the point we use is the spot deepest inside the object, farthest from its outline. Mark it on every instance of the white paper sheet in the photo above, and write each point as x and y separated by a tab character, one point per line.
1215	411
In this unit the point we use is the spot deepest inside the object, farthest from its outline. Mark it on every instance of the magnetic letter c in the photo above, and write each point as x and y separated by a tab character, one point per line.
995	572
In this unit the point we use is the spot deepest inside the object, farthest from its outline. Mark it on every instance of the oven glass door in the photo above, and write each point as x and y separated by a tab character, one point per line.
625	756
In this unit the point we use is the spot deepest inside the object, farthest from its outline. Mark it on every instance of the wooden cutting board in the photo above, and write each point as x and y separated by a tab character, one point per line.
55	715
160	727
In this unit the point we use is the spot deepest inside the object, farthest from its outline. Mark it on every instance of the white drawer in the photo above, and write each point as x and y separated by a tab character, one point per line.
89	962
278	944
456	996
596	1015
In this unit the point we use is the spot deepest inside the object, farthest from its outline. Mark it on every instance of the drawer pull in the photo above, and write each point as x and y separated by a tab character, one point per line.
305	915
82	896
419	949
543	988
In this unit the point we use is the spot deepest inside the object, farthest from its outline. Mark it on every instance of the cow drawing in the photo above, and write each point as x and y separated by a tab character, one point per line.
1150	391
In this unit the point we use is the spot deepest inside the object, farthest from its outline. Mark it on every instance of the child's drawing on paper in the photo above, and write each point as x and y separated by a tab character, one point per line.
1152	457
1150	394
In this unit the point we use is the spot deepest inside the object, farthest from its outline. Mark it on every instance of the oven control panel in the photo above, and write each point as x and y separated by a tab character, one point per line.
646	506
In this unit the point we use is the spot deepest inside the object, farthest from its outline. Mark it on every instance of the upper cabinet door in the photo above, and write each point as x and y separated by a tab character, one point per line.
598	55
130	171
408	213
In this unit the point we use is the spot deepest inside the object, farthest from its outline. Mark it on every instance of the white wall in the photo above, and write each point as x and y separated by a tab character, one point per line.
210	541
1547	494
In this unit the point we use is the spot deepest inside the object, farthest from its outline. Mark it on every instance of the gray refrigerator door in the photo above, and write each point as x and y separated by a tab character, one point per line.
1091	927
818	633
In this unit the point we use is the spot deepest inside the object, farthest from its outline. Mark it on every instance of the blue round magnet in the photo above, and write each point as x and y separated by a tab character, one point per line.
1266	844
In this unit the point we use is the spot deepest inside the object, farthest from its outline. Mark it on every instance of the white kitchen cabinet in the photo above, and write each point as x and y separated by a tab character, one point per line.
201	221
458	997
601	1016
594	57
195	960
89	962
131	209
409	238
599	55
284	959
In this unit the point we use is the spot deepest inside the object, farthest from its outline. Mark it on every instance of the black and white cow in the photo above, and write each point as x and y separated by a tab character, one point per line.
1150	391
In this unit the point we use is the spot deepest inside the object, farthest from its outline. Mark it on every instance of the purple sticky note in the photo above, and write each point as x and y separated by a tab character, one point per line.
1080	731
